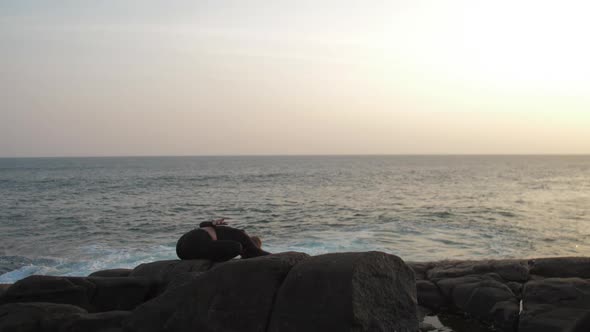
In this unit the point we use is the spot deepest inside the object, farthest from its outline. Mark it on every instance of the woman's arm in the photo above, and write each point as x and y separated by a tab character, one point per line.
213	223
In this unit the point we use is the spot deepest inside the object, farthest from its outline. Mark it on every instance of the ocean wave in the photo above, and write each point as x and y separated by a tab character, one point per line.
134	209
91	258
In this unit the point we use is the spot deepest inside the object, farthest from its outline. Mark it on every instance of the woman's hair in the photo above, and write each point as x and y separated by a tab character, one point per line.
256	241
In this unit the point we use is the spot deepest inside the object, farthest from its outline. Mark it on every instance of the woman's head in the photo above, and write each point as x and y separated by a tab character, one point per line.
257	241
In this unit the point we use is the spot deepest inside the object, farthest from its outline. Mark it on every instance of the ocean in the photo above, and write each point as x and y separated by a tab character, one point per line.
73	216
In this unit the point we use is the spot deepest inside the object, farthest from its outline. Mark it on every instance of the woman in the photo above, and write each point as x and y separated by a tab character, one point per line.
217	242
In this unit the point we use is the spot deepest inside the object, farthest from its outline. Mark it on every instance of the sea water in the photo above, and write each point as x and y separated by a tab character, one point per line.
72	216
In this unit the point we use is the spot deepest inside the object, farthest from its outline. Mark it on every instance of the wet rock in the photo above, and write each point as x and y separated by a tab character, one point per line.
35	317
235	296
509	270
554	304
429	295
112	273
369	291
167	270
561	267
98	322
483	297
93	293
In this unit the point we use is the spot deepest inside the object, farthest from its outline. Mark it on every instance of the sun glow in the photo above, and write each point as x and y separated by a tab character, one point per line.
524	45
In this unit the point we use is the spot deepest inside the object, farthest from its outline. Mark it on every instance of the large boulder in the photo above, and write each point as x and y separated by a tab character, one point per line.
561	267
368	291
483	297
35	317
94	294
554	304
111	273
234	296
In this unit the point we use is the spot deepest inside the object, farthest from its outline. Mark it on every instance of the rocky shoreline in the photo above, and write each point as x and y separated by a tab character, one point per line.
364	291
532	295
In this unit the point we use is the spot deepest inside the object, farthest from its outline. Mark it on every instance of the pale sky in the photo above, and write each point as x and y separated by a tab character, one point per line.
139	77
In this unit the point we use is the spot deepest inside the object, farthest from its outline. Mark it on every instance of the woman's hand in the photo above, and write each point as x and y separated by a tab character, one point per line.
219	222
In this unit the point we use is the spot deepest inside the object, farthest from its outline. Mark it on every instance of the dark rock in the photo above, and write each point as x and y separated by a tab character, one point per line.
429	295
182	279
422	312
167	270
516	288
369	291
34	317
582	324
3	288
112	273
64	290
425	327
561	267
92	293
122	293
509	270
421	269
460	323
483	297
98	322
554	304
235	296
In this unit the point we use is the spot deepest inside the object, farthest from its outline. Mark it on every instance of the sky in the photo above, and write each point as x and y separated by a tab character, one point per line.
219	77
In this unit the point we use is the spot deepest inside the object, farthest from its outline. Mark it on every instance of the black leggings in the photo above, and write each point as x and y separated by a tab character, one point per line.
231	242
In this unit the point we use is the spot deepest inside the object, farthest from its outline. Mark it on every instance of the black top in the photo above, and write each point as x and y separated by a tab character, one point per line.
238	235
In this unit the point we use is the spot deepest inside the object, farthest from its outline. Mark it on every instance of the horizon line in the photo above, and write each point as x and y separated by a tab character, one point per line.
307	155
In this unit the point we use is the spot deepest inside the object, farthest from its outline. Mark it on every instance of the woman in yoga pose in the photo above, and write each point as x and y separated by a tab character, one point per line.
216	241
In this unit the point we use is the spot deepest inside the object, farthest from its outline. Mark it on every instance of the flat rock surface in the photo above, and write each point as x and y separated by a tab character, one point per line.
554	304
168	270
94	294
112	273
509	270
61	290
35	317
96	322
561	267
